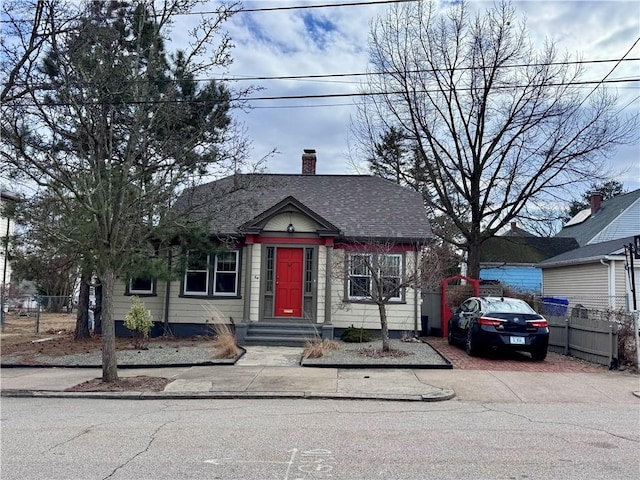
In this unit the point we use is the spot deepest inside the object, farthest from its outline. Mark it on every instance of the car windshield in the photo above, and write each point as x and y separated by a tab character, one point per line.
508	305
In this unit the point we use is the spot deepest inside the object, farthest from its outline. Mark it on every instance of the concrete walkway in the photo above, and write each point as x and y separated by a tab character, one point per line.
273	372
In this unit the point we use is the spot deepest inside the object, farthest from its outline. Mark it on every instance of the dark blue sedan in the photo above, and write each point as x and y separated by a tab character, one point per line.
484	323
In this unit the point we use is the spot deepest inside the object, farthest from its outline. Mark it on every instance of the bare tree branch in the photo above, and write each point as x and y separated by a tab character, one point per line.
500	126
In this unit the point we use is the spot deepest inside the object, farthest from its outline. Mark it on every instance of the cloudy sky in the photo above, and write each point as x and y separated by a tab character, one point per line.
333	40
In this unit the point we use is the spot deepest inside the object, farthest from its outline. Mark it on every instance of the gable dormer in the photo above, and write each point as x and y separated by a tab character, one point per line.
290	216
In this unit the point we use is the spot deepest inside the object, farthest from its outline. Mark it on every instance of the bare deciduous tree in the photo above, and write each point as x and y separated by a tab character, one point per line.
497	123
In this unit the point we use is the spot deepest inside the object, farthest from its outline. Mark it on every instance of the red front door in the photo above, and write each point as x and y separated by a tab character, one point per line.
289	263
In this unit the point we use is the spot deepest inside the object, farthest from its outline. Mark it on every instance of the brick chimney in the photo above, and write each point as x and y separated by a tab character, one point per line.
309	162
595	200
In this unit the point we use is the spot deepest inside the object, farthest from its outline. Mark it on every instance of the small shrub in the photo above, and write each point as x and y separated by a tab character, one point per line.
356	335
140	322
319	349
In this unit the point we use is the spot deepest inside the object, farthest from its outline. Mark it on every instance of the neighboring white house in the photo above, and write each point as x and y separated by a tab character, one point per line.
612	219
598	274
6	230
7	227
595	276
295	251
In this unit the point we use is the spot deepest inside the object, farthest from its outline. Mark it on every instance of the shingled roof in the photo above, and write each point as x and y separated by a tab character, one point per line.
588	254
360	206
596	227
523	249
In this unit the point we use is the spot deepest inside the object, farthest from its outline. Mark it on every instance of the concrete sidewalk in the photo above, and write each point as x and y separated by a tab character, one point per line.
304	382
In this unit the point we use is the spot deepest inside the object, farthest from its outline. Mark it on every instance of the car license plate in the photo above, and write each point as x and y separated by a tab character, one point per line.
517	340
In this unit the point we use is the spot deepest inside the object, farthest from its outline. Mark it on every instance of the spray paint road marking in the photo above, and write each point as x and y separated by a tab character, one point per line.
309	464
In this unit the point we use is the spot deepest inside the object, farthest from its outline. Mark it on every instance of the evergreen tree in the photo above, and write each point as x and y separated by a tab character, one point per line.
119	127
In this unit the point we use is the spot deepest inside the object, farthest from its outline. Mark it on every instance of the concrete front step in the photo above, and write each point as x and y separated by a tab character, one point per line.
272	340
280	333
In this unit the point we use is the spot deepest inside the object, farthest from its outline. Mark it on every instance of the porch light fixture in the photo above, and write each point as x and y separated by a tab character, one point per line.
291	228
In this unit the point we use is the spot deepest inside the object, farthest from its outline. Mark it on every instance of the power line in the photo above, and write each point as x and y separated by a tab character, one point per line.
304	7
371	94
312	96
433	70
312	77
610	72
253	10
628	105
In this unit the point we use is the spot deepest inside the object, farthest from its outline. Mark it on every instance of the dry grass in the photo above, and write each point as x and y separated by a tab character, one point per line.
19	329
224	342
318	349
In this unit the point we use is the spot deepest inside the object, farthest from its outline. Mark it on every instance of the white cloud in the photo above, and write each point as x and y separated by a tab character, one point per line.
334	40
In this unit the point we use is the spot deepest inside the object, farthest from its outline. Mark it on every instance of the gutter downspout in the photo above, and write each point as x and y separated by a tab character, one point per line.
167	295
415	294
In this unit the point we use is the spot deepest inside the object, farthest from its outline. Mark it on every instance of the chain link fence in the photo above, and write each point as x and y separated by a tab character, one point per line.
28	309
593	302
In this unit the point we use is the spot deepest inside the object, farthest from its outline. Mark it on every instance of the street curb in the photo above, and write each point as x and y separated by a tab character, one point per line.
368	366
444	394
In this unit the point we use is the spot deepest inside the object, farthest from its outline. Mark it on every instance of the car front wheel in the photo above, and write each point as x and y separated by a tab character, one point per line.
471	345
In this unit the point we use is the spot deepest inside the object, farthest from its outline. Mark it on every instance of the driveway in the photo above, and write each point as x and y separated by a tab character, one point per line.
511	361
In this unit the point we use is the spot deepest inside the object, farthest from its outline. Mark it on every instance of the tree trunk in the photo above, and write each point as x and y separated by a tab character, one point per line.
384	327
109	361
473	260
82	316
97	311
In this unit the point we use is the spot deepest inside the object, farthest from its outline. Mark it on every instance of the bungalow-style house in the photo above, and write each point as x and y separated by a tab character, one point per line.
510	259
597	275
292	254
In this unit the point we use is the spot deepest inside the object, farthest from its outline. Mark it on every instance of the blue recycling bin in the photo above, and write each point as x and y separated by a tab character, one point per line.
555	306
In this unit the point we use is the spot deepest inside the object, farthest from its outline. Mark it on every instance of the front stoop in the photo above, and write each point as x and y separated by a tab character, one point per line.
290	334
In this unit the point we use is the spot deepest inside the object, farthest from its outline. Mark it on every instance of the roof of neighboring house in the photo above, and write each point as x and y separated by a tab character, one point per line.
510	249
588	254
515	231
602	225
359	206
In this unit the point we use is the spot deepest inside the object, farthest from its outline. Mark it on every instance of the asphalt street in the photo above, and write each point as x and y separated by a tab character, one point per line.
47	438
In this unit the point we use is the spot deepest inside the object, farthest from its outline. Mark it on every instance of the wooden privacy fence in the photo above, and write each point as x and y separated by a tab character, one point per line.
587	334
